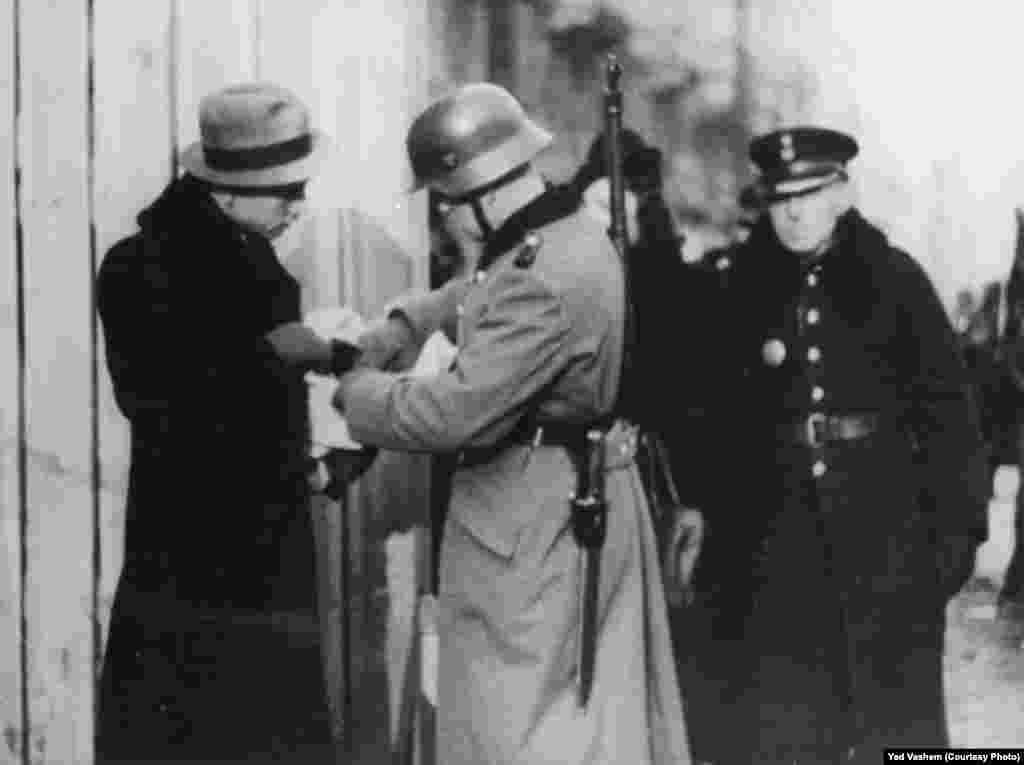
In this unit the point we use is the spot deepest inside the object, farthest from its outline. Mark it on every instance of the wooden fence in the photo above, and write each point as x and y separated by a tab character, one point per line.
97	98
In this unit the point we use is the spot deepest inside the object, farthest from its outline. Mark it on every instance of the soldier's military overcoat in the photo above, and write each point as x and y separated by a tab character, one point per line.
539	335
830	560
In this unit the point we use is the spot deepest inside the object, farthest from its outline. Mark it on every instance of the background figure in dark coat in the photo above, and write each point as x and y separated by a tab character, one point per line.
863	496
675	310
668	299
207	358
1011	595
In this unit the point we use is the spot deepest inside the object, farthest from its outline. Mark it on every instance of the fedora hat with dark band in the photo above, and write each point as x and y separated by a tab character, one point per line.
254	135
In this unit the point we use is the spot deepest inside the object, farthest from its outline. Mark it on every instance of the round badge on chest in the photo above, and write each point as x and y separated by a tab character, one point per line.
773	352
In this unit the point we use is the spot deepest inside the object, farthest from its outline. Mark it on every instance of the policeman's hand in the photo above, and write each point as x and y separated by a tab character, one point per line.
956	561
300	346
682	548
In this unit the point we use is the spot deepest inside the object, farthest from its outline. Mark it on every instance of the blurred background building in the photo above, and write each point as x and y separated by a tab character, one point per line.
927	88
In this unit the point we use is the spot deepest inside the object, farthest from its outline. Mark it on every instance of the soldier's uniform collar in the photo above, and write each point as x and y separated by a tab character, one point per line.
555	203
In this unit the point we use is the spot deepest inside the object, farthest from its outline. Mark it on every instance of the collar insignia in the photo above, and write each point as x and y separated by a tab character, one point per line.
528	252
787	153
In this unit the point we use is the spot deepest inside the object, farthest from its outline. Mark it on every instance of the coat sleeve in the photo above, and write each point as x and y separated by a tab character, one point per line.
518	348
134	310
426	313
943	414
151	351
393	342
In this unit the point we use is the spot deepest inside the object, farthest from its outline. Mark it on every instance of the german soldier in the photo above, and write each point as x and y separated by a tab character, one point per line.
539	332
863	498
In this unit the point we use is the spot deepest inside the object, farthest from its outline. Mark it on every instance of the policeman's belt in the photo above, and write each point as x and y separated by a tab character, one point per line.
571	436
819	428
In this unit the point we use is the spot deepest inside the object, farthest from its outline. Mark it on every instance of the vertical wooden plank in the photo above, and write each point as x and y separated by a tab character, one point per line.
11	675
59	394
368	77
133	152
333	613
214	49
283	30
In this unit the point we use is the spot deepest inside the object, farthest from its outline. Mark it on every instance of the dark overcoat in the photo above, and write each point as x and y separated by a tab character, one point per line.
217	533
827	569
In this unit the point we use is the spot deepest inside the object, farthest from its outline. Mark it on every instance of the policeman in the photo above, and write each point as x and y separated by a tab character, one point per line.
539	331
848	415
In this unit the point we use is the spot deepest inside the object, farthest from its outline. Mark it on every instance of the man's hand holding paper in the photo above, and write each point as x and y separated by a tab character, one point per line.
329	430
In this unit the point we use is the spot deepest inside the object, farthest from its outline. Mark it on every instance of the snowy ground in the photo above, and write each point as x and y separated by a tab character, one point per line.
984	654
984	659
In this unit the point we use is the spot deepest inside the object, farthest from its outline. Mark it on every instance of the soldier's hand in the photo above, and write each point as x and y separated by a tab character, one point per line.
300	346
384	342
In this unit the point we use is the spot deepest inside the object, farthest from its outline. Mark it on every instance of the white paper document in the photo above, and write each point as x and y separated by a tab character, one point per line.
329	429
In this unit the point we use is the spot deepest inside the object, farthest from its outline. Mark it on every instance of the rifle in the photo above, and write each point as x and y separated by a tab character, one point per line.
589	508
617	228
679	528
613	159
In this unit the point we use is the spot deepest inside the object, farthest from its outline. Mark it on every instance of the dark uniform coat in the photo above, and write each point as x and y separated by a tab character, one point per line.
217	528
539	339
827	569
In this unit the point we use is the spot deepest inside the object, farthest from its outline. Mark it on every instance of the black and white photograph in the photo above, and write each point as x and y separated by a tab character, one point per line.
511	382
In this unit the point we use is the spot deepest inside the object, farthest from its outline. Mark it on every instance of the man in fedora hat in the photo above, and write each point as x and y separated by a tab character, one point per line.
539	329
207	354
864	495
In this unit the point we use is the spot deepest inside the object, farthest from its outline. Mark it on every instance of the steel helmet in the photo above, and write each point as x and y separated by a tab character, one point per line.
471	138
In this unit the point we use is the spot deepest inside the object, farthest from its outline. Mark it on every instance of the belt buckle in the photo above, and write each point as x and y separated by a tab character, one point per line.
814	428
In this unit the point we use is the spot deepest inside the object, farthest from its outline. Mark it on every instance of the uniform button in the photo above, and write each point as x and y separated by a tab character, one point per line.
818	469
812	280
813	315
460	310
817	393
478	276
814	354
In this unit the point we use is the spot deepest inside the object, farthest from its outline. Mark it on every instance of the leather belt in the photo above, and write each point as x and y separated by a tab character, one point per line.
572	436
819	428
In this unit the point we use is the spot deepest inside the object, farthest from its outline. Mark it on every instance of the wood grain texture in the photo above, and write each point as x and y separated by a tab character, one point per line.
55	206
11	676
214	48
133	161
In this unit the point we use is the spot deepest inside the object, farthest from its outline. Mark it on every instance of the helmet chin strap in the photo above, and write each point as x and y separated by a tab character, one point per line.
481	219
473	197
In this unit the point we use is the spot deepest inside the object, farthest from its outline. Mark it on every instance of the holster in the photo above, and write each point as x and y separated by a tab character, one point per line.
589	507
442	472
